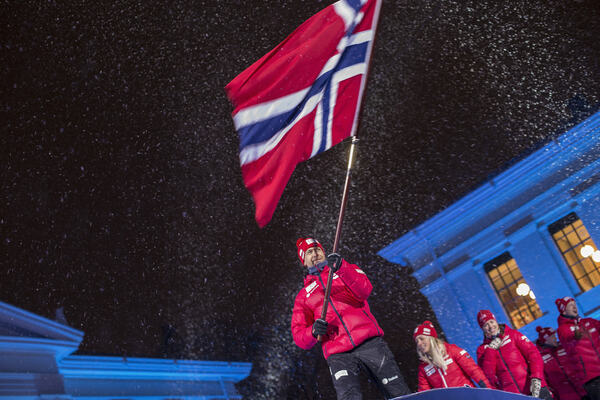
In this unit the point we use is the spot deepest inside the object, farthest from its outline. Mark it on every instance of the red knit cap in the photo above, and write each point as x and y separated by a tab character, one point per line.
561	304
484	316
544	334
426	328
305	244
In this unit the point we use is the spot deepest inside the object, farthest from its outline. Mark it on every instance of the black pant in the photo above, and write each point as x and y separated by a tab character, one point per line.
376	358
592	387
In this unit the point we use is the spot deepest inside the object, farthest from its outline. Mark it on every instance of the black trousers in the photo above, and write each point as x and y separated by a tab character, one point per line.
592	387
375	357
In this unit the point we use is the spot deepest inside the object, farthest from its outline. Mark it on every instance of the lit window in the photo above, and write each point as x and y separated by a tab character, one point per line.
578	249
514	293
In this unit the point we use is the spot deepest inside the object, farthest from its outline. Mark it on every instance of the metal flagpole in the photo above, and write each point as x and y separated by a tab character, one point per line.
338	231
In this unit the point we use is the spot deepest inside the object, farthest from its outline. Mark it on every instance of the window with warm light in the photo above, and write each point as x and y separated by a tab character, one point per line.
578	250
514	293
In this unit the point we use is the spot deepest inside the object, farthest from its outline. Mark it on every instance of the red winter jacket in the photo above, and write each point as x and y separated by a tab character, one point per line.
584	351
558	368
461	370
511	367
348	314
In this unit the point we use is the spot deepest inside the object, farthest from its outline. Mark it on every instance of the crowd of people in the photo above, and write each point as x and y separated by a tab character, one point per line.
566	367
562	364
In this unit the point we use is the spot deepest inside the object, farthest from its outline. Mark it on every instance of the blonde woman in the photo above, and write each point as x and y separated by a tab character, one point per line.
443	364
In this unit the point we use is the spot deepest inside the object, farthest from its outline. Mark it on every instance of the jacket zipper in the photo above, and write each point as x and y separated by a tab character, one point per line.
583	366
442	375
339	316
508	369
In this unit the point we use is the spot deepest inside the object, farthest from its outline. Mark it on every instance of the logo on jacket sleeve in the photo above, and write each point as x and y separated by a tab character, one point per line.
310	288
546	358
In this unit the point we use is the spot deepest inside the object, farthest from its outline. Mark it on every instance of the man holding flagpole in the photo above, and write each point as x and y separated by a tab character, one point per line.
297	101
351	337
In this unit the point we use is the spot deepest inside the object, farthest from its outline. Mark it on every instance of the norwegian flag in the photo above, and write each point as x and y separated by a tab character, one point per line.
301	98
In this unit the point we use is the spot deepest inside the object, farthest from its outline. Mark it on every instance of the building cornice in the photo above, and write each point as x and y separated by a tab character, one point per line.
522	183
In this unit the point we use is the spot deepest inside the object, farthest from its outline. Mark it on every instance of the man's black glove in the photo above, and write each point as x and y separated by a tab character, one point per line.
334	260
319	328
482	384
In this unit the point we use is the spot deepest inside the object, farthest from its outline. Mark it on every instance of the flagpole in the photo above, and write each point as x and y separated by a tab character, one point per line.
338	230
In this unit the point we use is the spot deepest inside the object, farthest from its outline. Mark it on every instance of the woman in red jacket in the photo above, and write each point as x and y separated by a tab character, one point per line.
442	364
558	366
509	360
581	339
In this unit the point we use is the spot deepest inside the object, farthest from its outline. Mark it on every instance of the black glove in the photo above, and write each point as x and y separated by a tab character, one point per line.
334	260
482	384
319	328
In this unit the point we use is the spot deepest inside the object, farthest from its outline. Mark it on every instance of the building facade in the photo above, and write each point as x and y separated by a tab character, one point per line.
517	243
36	362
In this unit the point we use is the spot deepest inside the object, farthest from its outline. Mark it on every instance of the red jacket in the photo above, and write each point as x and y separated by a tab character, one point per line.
511	367
348	314
558	367
584	351
461	370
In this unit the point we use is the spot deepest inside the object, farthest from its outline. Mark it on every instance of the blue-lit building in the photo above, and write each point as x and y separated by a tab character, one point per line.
523	239
36	363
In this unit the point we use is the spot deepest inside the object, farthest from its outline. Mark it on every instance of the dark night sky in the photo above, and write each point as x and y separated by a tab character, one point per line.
122	198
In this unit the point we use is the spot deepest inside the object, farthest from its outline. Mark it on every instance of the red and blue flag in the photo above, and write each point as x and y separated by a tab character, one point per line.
301	98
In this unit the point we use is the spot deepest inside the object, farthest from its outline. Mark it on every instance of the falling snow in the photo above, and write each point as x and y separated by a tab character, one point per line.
122	199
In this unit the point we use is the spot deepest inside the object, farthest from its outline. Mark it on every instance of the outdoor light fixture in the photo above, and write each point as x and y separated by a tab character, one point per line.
523	289
587	251
596	256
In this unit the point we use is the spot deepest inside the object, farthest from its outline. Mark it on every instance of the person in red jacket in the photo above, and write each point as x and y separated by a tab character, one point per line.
509	360
558	366
443	364
351	337
581	339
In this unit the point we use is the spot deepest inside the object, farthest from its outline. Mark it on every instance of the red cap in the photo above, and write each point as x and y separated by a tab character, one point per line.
561	304
426	328
305	244
544	334
484	316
